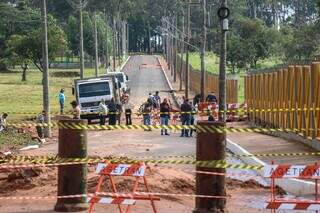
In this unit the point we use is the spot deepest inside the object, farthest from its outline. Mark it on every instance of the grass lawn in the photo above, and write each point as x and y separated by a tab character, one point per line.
16	95
11	139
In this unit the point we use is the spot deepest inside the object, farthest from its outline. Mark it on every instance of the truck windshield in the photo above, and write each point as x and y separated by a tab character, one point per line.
94	89
120	78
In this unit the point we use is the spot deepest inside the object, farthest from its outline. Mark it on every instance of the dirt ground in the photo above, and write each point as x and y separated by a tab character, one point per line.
242	196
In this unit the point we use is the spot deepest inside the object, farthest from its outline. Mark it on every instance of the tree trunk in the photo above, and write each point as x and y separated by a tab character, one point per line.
24	72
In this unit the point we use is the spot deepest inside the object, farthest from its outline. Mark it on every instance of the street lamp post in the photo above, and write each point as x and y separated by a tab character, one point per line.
223	14
202	53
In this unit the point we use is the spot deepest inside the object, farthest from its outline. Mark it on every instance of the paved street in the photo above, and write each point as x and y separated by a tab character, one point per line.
149	78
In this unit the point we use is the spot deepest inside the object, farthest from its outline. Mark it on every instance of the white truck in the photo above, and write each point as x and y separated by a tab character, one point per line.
90	91
122	79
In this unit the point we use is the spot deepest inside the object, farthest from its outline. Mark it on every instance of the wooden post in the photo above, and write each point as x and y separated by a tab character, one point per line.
210	146
72	180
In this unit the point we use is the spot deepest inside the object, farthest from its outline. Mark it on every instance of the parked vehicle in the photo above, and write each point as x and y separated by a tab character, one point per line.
122	79
90	91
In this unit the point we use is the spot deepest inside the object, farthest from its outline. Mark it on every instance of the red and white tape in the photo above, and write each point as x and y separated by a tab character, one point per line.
113	195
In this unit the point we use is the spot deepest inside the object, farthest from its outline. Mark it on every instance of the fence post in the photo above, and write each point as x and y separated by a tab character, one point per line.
72	178
210	146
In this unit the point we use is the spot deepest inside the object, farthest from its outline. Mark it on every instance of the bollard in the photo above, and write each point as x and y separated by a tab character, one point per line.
72	179
210	146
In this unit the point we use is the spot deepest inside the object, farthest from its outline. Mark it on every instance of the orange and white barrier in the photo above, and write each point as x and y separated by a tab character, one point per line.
134	170
292	206
111	170
292	171
108	200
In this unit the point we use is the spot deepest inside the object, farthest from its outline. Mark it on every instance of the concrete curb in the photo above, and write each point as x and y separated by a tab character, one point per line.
293	186
125	63
173	94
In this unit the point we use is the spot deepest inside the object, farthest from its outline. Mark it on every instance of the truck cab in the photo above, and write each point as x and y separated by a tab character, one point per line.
90	91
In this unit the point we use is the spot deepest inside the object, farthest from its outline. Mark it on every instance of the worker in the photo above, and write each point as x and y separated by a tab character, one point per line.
75	110
62	99
164	115
112	113
40	124
3	121
128	107
157	100
185	116
103	111
212	98
193	117
196	99
146	111
119	112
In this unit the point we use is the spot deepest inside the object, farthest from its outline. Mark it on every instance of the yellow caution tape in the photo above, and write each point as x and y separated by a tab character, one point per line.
243	110
15	163
198	128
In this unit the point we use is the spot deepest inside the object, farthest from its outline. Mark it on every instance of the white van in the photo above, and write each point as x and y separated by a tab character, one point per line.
122	79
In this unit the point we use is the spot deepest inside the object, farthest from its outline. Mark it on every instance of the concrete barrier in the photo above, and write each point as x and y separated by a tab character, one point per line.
292	185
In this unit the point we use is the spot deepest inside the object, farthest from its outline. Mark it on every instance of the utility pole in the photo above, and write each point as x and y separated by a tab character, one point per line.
175	49
182	49
81	42
96	64
107	53
223	14
202	53
187	50
46	104
114	44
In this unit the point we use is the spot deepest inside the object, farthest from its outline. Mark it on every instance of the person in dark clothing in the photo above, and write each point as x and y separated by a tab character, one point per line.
112	114
196	99
192	119
119	112
164	115
212	98
185	117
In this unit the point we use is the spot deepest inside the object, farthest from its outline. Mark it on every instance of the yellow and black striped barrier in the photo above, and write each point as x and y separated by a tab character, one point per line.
198	128
240	110
52	158
17	163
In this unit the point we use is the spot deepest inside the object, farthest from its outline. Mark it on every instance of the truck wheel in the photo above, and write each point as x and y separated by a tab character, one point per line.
89	121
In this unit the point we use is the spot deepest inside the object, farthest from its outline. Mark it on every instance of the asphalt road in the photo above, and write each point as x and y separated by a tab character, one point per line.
135	143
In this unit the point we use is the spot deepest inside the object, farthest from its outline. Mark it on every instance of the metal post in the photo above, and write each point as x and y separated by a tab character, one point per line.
223	66
46	104
210	147
72	179
96	64
81	42
187	51
202	54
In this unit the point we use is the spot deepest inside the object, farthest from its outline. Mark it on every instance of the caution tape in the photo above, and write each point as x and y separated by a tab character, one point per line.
110	194
198	128
243	110
12	164
151	159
